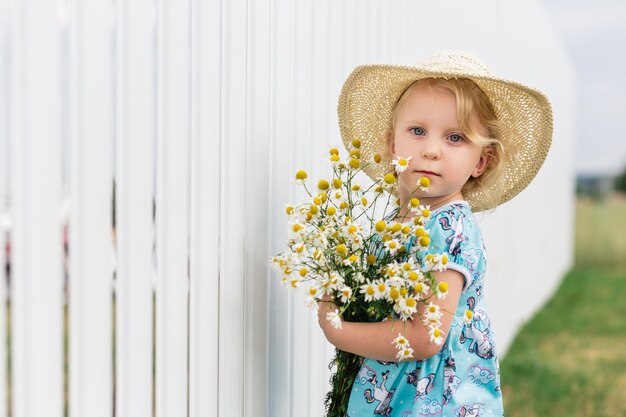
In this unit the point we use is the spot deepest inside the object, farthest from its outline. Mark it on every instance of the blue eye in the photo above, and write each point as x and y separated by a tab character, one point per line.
456	138
418	131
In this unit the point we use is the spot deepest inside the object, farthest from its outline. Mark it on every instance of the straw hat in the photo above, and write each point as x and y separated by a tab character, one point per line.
370	93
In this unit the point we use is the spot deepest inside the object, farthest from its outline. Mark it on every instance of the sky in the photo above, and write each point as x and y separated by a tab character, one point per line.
594	34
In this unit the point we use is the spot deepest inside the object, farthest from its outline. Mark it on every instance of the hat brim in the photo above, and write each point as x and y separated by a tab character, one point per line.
371	92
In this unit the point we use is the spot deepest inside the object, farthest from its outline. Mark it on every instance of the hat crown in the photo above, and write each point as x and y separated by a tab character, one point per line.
455	62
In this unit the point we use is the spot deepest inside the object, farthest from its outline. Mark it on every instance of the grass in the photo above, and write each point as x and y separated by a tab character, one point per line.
570	359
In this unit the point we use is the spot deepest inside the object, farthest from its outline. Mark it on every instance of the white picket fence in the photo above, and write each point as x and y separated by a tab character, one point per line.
201	111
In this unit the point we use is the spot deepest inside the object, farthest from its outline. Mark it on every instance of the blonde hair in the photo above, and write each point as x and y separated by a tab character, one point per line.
470	101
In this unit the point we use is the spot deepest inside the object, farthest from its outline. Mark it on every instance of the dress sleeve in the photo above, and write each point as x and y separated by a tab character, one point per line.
454	231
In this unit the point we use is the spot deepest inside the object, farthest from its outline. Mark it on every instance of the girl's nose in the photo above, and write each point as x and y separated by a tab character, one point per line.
431	150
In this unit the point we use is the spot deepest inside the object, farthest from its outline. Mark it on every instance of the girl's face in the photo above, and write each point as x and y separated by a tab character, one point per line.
427	129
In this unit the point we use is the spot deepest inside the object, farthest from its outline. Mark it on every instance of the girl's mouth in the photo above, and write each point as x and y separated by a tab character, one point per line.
428	173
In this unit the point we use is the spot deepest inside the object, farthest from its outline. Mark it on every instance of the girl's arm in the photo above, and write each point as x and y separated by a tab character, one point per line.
374	340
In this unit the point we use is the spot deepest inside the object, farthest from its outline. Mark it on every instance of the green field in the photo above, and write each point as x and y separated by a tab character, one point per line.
570	359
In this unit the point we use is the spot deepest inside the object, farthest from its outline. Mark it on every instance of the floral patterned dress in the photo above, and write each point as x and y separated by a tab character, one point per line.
461	380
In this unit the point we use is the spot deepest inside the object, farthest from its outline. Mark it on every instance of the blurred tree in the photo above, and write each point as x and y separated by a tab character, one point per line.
620	182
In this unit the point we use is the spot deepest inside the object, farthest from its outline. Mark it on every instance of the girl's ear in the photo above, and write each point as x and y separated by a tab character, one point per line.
391	145
483	162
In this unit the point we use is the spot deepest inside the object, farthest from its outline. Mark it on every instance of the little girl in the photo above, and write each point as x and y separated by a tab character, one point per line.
480	140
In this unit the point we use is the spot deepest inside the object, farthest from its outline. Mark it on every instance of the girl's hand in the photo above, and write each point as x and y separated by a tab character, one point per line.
324	306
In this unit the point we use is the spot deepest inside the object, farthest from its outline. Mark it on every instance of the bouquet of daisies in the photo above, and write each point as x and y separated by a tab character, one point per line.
344	243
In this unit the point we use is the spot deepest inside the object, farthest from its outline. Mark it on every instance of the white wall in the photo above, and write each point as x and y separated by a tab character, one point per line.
210	108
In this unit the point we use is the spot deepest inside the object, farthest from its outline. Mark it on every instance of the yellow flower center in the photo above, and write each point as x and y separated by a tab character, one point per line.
301	175
381	287
380	226
377	158
343	205
334	158
424	182
356	143
337	183
334	151
296	227
323	185
341	249
371	259
314	209
424	241
354	163
389	178
394	293
355	153
331	210
406	230
436	332
469	314
443	287
370	290
364	201
303	272
313	291
353	258
411	302
352	230
289	210
414	202
413	276
403	162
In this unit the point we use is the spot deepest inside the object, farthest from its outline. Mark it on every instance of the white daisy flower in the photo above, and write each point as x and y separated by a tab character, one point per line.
346	294
421	289
382	290
404	354
432	312
442	290
392	245
391	270
359	277
409	305
400	341
422	211
368	290
334	319
401	163
311	302
436	335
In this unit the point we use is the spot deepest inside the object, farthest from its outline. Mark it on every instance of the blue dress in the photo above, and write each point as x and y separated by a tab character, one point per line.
463	379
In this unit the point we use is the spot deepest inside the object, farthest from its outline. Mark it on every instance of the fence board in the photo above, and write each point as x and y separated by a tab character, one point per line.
256	220
90	330
135	153
135	169
36	184
172	207
204	367
232	208
4	192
